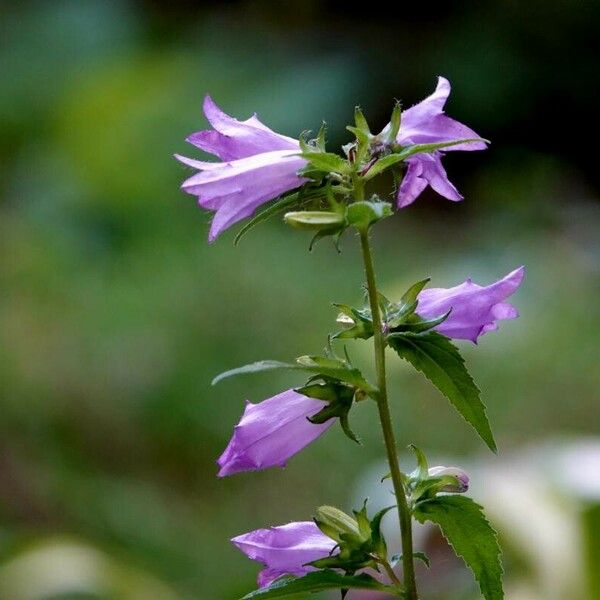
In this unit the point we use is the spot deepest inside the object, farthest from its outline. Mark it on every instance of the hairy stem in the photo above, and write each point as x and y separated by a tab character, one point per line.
386	423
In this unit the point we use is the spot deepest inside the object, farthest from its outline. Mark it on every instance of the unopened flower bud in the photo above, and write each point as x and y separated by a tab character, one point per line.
462	479
334	522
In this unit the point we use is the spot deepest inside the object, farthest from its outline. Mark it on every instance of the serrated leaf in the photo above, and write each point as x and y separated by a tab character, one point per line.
326	161
471	536
316	582
392	159
440	361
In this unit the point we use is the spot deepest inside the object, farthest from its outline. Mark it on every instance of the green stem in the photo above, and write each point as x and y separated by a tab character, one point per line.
386	423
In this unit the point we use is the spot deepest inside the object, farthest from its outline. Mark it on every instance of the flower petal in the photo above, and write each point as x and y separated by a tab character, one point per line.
285	549
233	139
424	170
271	432
475	309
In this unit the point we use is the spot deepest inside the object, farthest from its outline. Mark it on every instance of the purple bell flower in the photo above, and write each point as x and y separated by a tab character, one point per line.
462	479
271	432
285	550
257	165
426	123
475	309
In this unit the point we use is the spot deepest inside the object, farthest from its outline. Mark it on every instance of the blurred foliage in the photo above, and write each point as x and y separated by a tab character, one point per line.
115	313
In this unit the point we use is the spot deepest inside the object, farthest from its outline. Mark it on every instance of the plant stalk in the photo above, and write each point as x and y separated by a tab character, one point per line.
386	423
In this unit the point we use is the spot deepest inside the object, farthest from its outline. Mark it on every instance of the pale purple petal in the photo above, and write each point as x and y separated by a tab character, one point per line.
475	309
426	123
285	549
232	139
271	432
412	185
235	189
424	170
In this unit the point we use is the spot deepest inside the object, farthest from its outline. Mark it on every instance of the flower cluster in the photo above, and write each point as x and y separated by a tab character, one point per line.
325	192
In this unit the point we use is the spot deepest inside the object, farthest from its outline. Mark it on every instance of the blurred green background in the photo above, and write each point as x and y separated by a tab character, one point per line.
115	313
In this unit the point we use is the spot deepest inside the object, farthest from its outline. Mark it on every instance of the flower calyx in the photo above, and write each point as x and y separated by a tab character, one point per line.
360	543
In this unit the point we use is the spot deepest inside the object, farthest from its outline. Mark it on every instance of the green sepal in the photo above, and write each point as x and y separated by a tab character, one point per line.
393	159
327	162
316	582
339	398
278	206
397	558
439	360
395	121
422	470
364	213
408	303
361	135
464	525
360	121
360	321
415	324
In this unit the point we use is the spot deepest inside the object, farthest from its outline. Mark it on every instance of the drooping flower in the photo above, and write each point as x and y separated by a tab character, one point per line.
285	550
462	479
271	432
426	123
257	165
475	309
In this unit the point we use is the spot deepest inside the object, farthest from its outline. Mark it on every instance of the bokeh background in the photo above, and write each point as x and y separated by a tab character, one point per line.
115	313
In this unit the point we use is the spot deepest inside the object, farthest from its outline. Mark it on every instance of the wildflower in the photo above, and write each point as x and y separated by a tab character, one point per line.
285	549
271	432
475	309
257	165
426	123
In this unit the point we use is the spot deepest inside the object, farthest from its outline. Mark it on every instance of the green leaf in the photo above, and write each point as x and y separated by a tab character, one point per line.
392	159
316	582
318	365
256	367
440	361
327	161
364	213
471	536
278	206
336	369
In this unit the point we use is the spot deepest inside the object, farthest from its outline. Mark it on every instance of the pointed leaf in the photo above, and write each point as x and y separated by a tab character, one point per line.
392	159
440	361
471	536
278	206
315	582
326	161
256	367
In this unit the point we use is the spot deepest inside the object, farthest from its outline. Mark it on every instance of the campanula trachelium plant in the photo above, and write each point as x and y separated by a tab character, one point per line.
259	174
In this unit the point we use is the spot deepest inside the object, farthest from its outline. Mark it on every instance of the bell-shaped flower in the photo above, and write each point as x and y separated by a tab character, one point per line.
475	309
462	479
257	165
426	123
285	550
271	432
